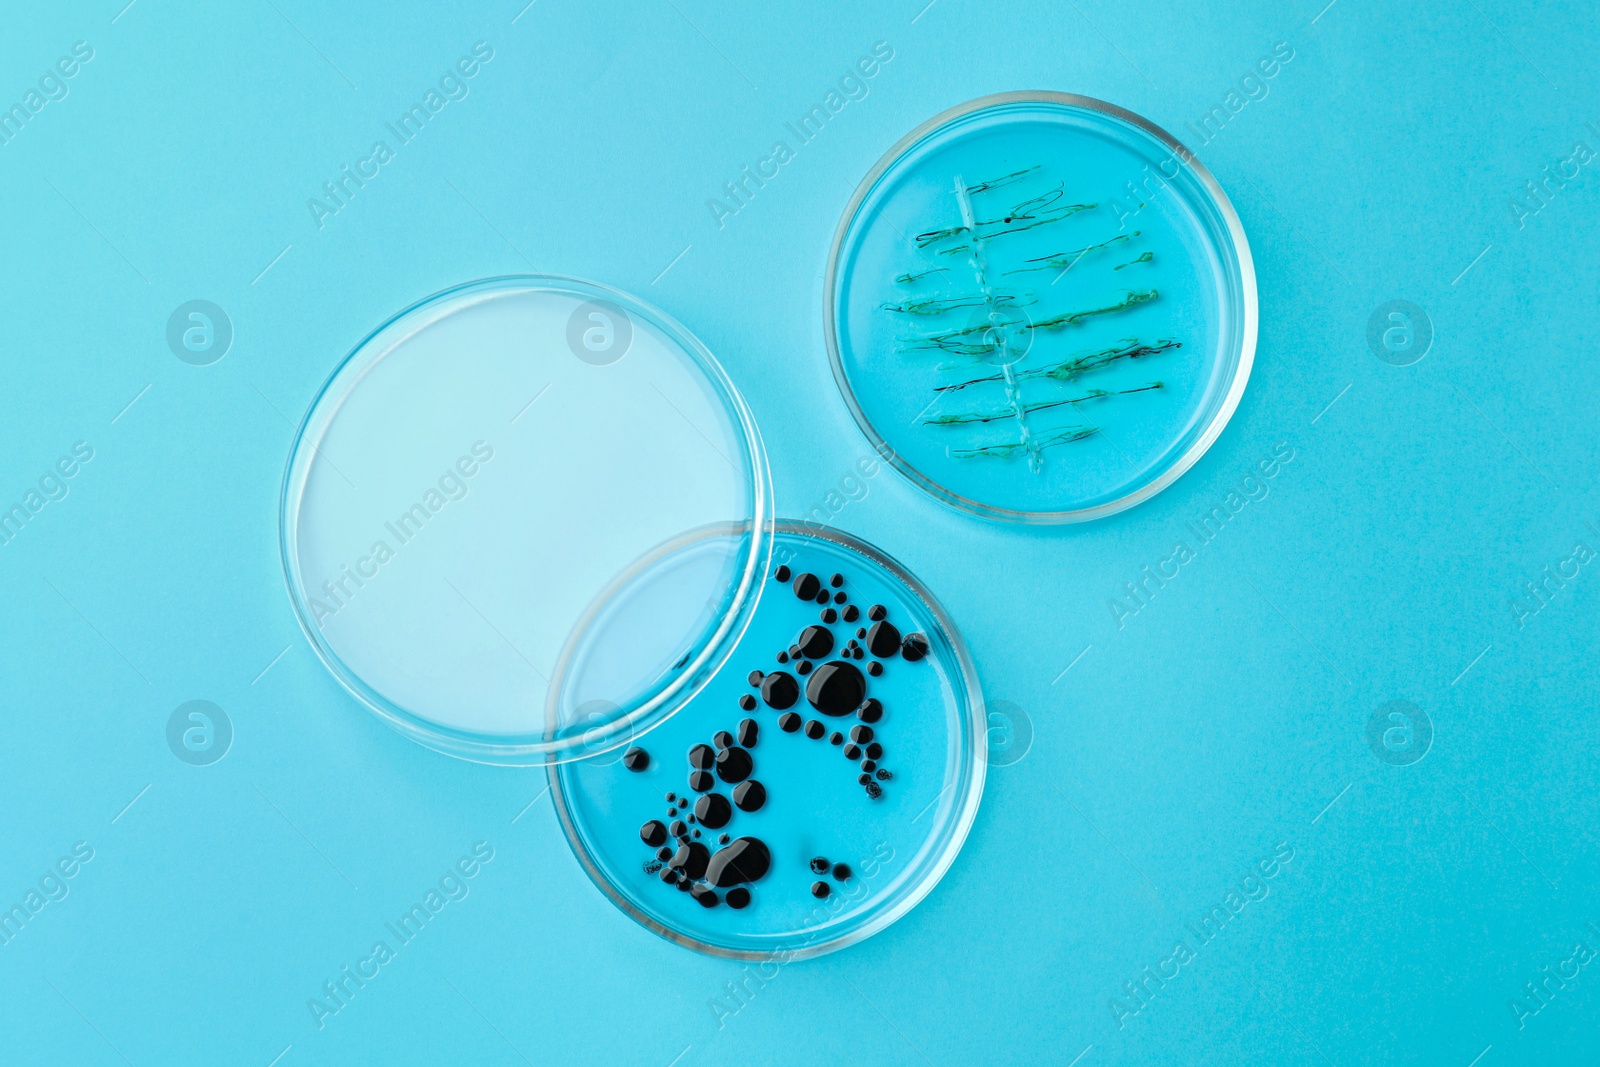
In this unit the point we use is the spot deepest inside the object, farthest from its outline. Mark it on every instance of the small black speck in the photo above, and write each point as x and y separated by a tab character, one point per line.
852	752
861	734
874	790
851	613
877	612
836	738
820	865
864	778
822	596
783	657
722	739
869	765
836	581
636	759
781	574
788	722
874	668
820	890
747	702
829	615
755	678
841	872
815	729
874	751
803	667
884	774
723	840
861	631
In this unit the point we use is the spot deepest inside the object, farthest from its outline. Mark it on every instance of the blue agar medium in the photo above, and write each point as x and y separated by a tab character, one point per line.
841	851
1006	290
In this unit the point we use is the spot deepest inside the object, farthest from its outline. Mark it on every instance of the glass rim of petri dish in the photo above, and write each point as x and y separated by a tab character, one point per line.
1238	247
546	730
958	802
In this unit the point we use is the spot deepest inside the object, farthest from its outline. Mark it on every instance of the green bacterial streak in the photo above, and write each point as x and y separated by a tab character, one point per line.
996	414
1045	440
1066	370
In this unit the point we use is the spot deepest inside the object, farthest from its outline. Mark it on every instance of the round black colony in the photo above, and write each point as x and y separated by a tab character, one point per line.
779	690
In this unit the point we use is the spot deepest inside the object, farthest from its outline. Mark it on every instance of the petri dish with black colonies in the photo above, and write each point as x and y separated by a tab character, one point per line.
818	844
1041	307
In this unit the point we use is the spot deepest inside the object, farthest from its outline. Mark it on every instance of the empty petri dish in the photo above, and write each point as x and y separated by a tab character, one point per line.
493	522
1041	307
816	789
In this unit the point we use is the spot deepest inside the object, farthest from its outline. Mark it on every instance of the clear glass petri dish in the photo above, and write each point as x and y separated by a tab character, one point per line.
1041	307
717	830
493	520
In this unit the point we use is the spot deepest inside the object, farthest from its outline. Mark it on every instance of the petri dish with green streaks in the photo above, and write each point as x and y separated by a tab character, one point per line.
1041	307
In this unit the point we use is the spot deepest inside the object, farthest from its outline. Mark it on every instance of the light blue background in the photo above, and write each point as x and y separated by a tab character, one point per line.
1225	717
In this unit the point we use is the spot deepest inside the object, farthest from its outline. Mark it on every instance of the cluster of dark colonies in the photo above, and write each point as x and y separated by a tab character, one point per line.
832	671
688	863
820	865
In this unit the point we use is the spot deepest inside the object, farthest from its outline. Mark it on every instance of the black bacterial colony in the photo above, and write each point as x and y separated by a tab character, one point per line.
833	680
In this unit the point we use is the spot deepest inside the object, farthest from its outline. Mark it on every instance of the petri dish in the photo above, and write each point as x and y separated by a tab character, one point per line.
1040	307
717	830
493	520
